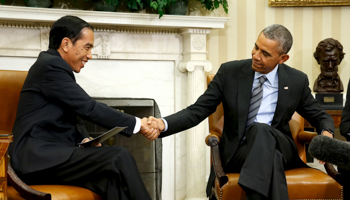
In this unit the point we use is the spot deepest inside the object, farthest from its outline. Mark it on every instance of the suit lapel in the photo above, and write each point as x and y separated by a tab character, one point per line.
245	83
283	95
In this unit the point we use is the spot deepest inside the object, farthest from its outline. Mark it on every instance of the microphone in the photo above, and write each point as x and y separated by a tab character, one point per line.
331	150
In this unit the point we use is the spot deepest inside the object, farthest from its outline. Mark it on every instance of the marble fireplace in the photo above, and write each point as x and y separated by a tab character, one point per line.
135	56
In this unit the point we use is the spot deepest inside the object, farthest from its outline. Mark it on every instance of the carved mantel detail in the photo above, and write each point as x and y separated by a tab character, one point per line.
44	38
198	43
102	45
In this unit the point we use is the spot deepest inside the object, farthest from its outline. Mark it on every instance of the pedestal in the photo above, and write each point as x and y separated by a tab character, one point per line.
330	101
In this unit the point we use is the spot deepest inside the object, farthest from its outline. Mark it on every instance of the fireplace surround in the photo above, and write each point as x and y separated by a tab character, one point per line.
148	154
135	56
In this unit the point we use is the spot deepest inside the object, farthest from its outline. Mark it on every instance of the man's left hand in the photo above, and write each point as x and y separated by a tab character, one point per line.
88	139
327	133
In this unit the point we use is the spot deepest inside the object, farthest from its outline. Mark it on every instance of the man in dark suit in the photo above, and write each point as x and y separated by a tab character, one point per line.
46	136
260	145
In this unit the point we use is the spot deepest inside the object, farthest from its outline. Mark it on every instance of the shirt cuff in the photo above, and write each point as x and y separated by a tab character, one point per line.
165	125
329	130
137	125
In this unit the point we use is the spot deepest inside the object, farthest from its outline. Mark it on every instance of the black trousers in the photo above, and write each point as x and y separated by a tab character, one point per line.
108	171
261	161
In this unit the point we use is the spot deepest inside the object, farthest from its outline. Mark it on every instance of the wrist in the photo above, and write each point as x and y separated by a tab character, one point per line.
162	125
329	131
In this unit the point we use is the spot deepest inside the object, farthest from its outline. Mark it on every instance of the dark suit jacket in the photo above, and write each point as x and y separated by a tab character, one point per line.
232	85
345	117
45	131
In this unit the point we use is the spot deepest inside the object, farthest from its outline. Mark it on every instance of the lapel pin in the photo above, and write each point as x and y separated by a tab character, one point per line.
286	88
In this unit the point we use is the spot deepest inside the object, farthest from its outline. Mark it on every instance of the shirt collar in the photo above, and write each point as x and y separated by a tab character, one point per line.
271	76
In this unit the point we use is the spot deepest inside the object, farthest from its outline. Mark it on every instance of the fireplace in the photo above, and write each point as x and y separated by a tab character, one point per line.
148	154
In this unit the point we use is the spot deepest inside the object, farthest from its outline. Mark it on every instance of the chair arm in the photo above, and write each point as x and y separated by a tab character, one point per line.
306	136
12	178
212	134
23	189
213	141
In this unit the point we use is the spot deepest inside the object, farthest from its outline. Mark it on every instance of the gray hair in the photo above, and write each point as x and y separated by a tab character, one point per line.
280	34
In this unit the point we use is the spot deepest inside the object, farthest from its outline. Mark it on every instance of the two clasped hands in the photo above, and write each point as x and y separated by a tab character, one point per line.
151	127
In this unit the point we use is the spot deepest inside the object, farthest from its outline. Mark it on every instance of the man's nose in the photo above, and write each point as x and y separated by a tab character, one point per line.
256	56
89	55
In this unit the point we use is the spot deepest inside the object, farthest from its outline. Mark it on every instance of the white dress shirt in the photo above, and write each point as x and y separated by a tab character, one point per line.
137	127
270	96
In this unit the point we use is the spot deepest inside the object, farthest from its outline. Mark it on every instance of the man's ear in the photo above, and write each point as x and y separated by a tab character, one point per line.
284	58
64	44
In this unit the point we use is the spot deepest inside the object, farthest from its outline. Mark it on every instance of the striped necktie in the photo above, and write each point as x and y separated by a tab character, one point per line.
255	100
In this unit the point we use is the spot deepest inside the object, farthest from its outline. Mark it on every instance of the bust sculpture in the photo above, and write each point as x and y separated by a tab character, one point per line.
329	53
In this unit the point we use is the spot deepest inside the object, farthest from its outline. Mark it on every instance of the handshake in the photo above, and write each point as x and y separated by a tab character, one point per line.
151	127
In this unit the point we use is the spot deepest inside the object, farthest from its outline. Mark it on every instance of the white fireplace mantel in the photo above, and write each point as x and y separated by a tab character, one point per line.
25	14
134	55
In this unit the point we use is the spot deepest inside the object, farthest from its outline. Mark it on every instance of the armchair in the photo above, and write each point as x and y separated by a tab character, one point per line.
12	188
303	183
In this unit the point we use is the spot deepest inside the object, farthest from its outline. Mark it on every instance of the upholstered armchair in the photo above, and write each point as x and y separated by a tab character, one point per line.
12	188
303	183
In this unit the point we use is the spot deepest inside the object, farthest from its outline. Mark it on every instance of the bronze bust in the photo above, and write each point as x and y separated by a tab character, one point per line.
329	53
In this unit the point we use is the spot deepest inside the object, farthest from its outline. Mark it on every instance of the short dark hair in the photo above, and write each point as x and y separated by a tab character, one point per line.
280	34
328	45
67	26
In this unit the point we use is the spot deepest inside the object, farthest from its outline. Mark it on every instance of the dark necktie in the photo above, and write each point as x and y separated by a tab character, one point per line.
255	100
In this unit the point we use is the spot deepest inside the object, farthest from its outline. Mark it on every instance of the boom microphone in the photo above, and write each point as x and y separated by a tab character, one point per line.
331	150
